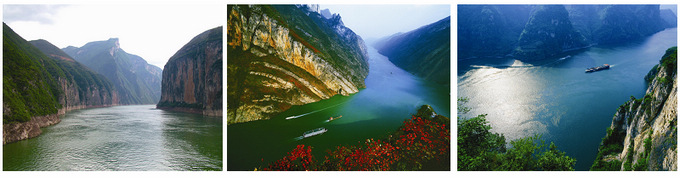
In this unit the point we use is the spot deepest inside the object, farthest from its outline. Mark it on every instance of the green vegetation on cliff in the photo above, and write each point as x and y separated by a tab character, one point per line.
479	149
645	127
425	51
39	79
29	87
548	33
136	81
490	30
93	89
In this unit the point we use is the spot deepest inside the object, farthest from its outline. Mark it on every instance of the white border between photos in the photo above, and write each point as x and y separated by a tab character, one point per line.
225	173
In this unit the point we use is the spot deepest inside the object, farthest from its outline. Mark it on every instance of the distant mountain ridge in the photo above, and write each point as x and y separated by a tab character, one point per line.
494	31
192	79
136	81
425	51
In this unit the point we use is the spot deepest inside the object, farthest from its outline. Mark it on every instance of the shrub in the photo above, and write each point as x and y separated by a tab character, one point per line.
422	143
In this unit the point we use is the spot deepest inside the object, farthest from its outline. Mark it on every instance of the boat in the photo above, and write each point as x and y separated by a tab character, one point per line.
333	118
598	68
565	57
316	131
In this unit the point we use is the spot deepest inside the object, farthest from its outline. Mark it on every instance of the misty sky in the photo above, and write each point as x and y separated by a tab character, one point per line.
154	32
376	21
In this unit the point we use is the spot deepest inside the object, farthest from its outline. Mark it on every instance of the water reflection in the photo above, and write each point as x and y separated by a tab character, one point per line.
121	138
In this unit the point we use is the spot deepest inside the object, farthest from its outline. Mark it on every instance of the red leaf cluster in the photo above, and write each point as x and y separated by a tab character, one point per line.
417	144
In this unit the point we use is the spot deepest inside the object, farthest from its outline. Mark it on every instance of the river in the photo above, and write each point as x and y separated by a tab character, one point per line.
556	98
391	96
130	138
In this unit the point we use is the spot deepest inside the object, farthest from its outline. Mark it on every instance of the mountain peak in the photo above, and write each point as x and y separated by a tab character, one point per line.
115	41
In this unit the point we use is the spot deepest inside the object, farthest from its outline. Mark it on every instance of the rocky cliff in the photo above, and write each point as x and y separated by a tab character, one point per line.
643	133
607	24
136	81
40	83
548	33
82	87
490	30
425	52
286	55
192	79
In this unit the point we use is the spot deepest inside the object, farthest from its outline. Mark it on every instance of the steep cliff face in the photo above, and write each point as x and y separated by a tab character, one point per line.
192	79
643	133
619	23
286	55
490	30
548	33
40	83
136	81
425	51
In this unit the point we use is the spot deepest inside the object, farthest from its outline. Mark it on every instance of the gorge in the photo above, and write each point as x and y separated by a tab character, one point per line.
370	108
556	98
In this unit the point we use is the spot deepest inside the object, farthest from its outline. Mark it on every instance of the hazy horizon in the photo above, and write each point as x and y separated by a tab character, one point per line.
153	32
377	21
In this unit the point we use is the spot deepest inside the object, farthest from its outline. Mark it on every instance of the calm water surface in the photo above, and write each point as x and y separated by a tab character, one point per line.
556	98
121	138
391	96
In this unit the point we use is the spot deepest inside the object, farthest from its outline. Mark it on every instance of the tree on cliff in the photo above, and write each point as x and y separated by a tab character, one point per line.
479	149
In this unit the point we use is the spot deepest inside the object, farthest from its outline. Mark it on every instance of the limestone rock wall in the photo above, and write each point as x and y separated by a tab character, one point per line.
281	56
646	128
192	78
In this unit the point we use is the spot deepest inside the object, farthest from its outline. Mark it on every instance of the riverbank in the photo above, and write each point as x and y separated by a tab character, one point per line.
24	130
211	113
14	132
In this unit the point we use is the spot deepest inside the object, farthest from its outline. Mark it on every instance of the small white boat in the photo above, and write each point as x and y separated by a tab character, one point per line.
314	132
333	118
565	57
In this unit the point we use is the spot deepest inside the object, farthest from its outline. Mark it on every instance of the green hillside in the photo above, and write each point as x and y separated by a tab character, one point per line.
29	88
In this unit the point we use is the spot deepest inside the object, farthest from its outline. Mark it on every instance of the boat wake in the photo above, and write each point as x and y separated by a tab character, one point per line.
299	138
298	116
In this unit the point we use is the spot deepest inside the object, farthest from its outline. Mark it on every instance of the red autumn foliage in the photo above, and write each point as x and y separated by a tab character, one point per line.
418	144
297	160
